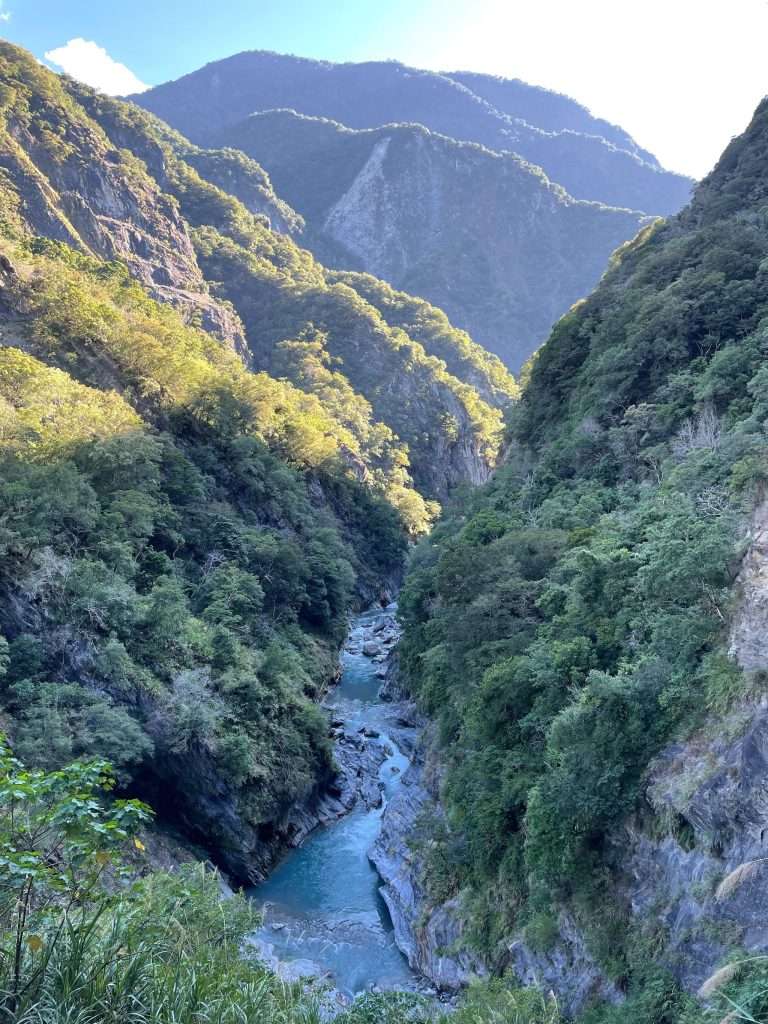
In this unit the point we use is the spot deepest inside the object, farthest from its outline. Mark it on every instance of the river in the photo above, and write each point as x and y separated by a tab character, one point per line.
323	914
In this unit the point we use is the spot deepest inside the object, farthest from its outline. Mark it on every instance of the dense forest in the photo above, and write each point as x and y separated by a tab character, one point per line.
213	450
572	619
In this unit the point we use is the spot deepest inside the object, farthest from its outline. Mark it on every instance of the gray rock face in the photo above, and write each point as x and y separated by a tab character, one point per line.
567	968
704	880
430	936
208	808
749	631
91	197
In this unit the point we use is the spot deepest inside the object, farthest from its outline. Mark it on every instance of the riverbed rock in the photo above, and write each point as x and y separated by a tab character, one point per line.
393	689
429	936
371	649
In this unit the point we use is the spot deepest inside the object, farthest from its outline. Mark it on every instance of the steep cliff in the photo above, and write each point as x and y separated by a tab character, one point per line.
376	93
589	633
76	185
483	235
378	158
113	181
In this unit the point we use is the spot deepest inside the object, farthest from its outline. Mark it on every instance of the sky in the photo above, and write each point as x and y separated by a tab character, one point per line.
682	76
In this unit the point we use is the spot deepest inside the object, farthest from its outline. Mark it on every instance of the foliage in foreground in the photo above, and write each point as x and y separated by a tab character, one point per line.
83	938
80	941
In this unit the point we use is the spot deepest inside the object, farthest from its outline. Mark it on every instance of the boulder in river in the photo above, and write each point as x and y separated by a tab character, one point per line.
371	649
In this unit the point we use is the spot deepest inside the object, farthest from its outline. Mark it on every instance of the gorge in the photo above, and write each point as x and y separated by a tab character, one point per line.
233	435
323	909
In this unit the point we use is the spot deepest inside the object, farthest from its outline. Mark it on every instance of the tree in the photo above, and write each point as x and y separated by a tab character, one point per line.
57	840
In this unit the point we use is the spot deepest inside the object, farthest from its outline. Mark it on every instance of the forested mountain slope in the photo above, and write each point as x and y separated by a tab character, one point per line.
183	534
376	93
588	630
547	110
110	179
483	235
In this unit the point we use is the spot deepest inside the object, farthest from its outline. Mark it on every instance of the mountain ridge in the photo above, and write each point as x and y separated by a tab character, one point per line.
372	93
386	201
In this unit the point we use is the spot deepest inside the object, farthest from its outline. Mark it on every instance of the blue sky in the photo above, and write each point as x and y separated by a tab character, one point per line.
683	76
160	40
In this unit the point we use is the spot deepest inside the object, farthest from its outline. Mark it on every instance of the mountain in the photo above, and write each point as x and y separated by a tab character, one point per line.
547	110
372	94
212	449
85	176
413	177
588	633
484	235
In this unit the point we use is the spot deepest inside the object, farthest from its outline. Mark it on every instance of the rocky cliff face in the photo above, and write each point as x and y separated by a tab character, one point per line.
368	95
74	185
152	141
482	235
429	934
703	882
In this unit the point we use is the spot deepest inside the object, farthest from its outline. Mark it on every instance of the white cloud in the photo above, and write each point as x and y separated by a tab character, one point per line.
90	63
4	15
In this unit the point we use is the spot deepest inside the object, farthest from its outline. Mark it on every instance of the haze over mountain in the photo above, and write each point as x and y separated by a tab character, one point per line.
373	94
473	228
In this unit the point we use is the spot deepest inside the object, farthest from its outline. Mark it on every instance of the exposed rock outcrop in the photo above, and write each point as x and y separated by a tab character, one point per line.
429	935
100	200
567	968
207	807
703	879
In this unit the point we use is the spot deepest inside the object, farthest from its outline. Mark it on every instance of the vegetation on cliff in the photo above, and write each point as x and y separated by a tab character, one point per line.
484	235
571	618
181	541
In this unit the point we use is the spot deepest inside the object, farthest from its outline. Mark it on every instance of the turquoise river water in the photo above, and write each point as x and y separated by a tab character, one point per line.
322	906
